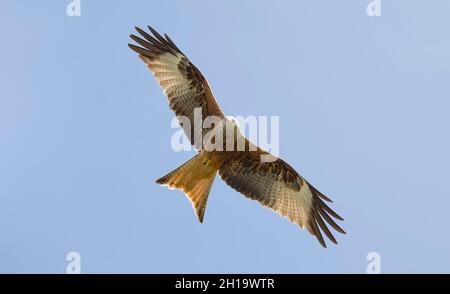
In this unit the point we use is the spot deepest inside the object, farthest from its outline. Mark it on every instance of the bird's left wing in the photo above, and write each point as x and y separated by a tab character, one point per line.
182	83
278	186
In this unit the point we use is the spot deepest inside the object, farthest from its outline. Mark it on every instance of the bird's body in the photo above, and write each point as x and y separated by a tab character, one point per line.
224	150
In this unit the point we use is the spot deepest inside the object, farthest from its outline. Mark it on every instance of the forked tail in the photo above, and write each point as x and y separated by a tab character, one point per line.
195	179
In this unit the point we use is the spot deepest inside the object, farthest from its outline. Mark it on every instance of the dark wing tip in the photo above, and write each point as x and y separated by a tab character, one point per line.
314	229
172	44
324	197
155	44
324	227
154	32
320	218
319	194
140	50
322	205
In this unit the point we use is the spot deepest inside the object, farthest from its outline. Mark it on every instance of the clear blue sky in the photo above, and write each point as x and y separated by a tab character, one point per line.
85	130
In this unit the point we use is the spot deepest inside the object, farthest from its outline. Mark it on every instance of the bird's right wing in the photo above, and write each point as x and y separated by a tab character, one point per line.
182	83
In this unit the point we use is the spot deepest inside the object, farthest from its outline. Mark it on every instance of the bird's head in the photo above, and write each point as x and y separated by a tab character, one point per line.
232	121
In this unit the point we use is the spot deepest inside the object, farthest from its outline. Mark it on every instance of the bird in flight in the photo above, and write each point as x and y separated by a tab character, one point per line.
273	183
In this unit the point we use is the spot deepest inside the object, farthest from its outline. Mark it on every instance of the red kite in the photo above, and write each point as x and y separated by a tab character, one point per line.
274	184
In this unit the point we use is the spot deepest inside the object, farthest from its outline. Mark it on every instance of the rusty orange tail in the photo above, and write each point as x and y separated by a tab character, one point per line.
195	179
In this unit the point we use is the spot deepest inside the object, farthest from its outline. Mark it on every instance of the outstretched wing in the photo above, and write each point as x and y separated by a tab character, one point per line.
182	83
278	186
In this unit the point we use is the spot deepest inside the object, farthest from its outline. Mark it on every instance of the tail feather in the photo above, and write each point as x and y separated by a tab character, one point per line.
195	179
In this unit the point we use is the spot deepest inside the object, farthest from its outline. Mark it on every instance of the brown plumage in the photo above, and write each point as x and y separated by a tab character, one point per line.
274	184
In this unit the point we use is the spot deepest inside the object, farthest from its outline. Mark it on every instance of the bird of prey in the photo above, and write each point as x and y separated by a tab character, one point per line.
274	184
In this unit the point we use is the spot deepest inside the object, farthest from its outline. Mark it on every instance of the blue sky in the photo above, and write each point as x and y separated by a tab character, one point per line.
85	130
